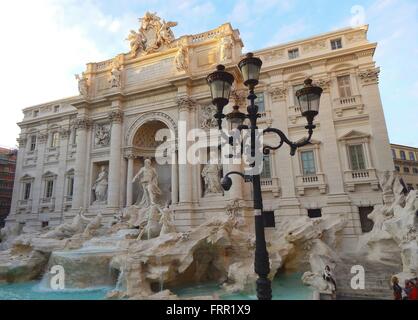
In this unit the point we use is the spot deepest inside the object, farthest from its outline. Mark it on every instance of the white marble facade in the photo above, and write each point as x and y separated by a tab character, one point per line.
123	101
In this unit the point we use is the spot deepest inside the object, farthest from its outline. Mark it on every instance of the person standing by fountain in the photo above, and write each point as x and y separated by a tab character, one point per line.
149	183
397	289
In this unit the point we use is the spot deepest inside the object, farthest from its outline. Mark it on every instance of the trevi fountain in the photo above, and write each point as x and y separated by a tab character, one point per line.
140	254
95	250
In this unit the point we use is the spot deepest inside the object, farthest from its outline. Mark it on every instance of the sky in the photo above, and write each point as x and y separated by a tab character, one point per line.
45	42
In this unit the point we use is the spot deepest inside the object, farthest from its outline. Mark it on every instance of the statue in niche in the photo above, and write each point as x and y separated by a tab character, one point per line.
100	186
225	49
149	183
180	60
115	75
210	175
102	136
82	84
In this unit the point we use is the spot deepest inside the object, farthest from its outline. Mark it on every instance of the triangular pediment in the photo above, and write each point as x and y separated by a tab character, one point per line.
354	134
49	174
26	177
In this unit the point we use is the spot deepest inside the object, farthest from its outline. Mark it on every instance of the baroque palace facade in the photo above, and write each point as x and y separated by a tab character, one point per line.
101	137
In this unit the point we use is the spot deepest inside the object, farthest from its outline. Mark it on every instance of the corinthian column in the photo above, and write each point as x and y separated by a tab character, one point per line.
82	125
129	177
185	104
115	174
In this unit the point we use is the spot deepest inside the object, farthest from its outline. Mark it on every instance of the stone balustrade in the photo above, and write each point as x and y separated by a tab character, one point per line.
312	181
359	177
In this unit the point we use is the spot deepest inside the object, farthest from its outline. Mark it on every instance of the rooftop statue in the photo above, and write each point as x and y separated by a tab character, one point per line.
153	34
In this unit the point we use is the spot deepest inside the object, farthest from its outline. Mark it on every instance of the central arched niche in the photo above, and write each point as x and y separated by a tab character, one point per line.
145	143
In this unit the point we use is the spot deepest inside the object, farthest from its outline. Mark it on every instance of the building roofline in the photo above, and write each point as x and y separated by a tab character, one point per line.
314	37
68	100
403	146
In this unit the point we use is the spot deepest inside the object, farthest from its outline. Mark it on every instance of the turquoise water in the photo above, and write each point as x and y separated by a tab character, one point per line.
34	291
285	287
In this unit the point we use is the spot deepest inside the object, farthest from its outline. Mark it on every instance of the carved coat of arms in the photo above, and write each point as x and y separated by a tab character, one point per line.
153	34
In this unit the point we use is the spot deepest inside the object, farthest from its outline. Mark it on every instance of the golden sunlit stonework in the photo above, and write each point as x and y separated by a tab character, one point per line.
74	150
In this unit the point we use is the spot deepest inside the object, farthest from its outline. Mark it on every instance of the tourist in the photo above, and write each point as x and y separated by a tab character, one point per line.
397	289
413	292
407	290
327	275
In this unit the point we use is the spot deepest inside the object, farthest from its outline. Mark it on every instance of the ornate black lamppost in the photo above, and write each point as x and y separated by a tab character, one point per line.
220	83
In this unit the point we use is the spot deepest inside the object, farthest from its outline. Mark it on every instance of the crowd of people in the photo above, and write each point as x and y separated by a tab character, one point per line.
408	292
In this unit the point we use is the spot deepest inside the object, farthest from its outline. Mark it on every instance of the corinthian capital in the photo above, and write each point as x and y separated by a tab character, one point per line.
369	76
116	116
278	93
22	140
324	83
82	123
239	96
186	102
42	137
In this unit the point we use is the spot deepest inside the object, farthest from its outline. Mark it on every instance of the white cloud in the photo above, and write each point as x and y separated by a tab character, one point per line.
288	32
40	56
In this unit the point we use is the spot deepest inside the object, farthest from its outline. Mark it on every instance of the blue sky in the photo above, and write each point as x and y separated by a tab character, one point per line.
45	42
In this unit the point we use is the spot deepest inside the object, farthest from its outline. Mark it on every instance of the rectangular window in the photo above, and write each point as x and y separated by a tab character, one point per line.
266	173
260	102
403	155
70	189
393	154
308	162
35	113
32	143
336	44
293	54
269	221
411	156
365	222
49	189
314	213
415	170
406	169
45	224
295	89
26	191
356	155
74	137
55	140
56	109
397	168
344	86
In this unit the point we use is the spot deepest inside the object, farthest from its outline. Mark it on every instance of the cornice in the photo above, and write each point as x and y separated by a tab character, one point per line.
280	67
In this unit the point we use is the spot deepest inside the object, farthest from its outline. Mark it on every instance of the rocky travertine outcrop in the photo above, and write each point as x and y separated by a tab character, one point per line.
393	239
220	251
